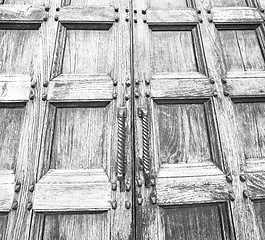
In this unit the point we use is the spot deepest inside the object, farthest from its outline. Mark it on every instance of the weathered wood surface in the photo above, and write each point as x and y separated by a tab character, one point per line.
166	87
25	14
239	15
175	17
87	15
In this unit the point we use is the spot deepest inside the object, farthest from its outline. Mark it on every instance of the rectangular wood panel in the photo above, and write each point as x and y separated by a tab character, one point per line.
11	119
173	51
77	226
260	217
3	224
251	129
19	51
202	222
87	52
183	133
167	4
242	50
78	138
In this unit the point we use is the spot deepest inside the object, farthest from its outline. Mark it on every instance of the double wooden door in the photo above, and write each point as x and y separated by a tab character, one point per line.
132	119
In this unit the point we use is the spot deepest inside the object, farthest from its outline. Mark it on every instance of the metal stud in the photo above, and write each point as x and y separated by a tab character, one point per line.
114	205
14	205
57	9
115	83
215	94
262	10
114	186
232	196
126	10
116	9
135	11
229	178
31	188
117	20
31	95
212	81
127	97
29	205
128	205
139	183
135	21
56	18
245	194
44	97
114	95
152	181
143	12
140	200
47	9
45	84
226	93
223	80
127	19
147	81
145	21
147	94
128	186
128	83
208	10
242	177
45	19
17	187
199	11
210	19
153	198
137	94
33	84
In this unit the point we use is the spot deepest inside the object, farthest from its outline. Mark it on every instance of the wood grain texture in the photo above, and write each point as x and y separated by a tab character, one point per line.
11	121
166	4
252	87
172	17
203	222
260	216
91	3
188	170
81	90
230	3
251	129
77	226
87	15
87	52
173	51
72	197
14	91
21	14
186	190
18	51
183	133
237	15
242	51
171	87
255	184
78	138
3	223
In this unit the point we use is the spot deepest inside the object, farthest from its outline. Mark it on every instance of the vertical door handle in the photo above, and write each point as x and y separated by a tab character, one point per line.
146	142
121	159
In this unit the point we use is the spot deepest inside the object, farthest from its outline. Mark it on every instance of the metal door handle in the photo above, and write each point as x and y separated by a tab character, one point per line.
121	159
146	151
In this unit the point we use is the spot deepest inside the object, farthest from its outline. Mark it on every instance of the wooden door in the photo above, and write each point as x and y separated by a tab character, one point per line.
65	120
199	114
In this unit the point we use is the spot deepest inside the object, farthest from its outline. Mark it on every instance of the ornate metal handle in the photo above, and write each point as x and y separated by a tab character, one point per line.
121	160
146	152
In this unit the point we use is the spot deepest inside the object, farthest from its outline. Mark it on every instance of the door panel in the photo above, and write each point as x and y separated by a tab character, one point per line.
193	165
